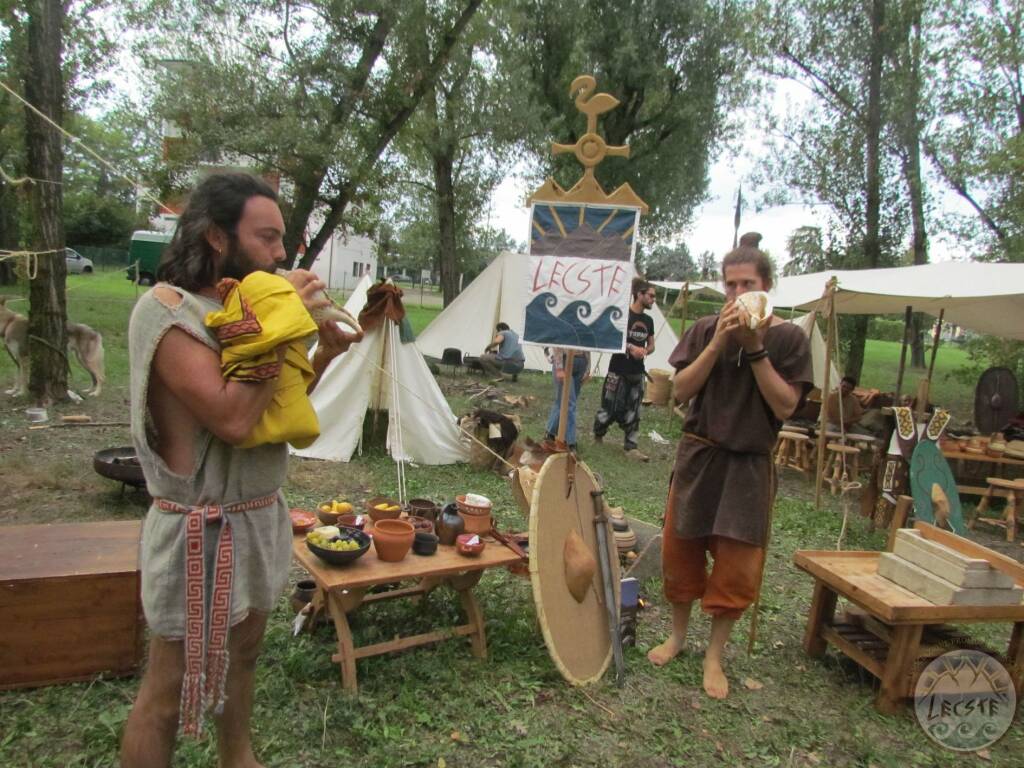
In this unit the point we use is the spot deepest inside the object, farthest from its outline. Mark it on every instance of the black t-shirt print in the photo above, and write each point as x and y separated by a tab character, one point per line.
639	328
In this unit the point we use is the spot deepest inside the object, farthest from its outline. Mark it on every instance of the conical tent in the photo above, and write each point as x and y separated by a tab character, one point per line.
382	373
498	294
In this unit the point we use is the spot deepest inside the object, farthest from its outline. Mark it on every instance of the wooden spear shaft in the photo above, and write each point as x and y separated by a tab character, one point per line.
907	317
563	410
830	331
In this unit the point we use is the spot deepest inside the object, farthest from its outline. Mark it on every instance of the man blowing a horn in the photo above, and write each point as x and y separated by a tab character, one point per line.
745	371
216	543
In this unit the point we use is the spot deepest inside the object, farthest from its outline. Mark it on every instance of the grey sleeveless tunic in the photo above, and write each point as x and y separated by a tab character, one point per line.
221	474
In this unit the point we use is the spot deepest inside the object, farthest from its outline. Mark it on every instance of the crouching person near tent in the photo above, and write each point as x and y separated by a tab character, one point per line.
743	384
216	542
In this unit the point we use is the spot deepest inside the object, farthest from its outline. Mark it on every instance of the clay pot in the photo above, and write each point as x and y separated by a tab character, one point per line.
475	523
425	508
380	514
449	524
303	594
424	543
392	539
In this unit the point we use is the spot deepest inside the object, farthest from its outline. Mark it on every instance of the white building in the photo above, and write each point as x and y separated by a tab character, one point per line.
344	259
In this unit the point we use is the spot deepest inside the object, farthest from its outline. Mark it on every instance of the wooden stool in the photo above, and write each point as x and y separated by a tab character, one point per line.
832	471
1014	491
793	450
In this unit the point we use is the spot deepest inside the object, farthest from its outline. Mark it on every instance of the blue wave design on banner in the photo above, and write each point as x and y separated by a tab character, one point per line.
568	328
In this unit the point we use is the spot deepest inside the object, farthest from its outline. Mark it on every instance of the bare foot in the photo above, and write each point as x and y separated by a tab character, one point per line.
660	655
716	685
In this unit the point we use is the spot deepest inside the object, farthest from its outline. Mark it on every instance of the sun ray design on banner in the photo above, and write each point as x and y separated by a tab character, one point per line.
582	246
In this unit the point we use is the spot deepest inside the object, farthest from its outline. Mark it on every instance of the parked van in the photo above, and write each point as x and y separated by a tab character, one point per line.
145	249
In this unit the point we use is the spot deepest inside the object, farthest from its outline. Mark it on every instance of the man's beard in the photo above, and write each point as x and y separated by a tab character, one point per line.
237	262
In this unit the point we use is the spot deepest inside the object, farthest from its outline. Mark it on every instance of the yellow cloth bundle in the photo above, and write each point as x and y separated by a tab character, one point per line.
262	312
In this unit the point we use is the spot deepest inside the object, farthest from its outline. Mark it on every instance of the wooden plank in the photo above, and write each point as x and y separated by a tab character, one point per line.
939	591
851	649
412	641
898	673
921	555
823	606
60	550
915	537
1000	562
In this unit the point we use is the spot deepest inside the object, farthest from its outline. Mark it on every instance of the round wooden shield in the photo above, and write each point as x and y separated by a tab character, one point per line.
928	468
995	400
563	541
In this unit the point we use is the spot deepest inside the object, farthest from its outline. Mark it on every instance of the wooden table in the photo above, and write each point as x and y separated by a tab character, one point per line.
899	632
999	463
343	588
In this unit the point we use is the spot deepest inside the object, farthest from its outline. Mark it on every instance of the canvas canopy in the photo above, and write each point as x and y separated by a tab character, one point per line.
711	288
986	298
421	425
498	294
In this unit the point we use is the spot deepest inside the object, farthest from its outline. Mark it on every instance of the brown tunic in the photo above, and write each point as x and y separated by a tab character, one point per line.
723	483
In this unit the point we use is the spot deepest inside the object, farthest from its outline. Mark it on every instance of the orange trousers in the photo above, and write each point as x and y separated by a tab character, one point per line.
735	576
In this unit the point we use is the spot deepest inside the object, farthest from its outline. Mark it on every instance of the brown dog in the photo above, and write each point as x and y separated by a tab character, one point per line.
83	341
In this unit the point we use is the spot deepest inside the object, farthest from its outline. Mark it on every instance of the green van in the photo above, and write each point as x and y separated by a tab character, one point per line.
145	250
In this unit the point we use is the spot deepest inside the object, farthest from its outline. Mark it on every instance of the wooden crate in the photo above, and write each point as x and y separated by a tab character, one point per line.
69	602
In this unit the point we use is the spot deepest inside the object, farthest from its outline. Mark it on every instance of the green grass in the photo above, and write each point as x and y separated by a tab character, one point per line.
438	703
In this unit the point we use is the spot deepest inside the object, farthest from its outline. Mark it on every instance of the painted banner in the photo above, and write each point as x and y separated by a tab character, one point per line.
580	275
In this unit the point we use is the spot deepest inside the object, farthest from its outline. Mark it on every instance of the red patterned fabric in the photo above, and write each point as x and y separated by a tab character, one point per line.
249	325
206	653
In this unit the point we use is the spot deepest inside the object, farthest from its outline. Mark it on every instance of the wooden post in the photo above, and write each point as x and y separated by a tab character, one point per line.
830	331
935	343
686	306
907	317
563	411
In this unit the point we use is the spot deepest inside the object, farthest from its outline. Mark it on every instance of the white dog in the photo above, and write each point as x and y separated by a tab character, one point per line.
86	344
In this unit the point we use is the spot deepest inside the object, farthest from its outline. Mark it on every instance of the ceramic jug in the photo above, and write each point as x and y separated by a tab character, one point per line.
449	524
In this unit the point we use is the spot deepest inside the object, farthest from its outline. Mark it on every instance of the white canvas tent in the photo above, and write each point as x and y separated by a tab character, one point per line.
357	299
810	327
421	425
498	294
986	298
712	288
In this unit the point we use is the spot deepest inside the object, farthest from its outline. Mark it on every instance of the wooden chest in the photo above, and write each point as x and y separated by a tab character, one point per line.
70	606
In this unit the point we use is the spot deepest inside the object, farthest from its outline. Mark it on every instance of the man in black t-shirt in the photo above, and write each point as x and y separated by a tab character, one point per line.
624	385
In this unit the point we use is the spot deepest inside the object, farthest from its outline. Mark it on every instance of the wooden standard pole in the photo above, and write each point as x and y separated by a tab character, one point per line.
563	410
907	317
925	390
830	335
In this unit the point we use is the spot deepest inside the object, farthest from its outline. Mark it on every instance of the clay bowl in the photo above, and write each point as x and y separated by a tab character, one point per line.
380	514
302	520
392	539
470	509
424	543
338	557
463	546
421	523
352	521
326	516
424	508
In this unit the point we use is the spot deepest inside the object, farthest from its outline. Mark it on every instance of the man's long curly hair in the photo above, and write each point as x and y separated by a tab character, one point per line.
219	200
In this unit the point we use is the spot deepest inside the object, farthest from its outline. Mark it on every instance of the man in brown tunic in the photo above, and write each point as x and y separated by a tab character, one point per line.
743	383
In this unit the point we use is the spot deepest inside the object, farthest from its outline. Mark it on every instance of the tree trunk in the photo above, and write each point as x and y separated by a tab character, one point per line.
911	170
858	333
304	199
444	200
8	229
872	175
47	316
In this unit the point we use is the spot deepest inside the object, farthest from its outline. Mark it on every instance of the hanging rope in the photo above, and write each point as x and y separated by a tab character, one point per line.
396	408
75	140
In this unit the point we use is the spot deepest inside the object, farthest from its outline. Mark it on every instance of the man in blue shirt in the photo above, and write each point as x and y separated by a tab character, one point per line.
504	354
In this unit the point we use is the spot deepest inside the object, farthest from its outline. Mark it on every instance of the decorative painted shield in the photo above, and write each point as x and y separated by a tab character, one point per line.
564	570
930	481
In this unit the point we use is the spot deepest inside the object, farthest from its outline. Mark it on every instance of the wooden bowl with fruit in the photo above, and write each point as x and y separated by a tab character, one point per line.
330	511
337	545
383	508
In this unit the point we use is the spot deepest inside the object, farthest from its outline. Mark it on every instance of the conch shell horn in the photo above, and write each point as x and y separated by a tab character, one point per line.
755	309
332	312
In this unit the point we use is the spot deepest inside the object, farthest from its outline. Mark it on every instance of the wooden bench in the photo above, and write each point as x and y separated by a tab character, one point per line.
1014	491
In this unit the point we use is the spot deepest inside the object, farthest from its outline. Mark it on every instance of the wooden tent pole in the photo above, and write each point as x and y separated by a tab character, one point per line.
830	331
935	343
686	306
907	317
563	410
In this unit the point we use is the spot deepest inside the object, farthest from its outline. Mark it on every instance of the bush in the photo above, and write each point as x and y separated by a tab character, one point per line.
883	329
